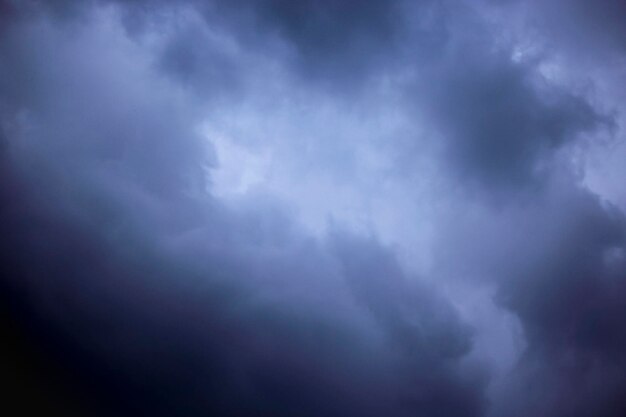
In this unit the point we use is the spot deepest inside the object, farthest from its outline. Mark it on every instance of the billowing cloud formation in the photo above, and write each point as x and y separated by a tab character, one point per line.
559	264
501	126
285	208
569	295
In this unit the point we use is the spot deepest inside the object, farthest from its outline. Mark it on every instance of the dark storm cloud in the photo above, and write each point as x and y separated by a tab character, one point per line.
576	275
339	44
501	120
340	41
502	124
141	330
591	30
154	296
61	98
558	263
199	62
419	324
569	295
380	285
495	116
156	299
557	259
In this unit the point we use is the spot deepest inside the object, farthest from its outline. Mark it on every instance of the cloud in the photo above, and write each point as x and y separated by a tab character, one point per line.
157	298
497	120
141	328
501	126
339	41
557	263
597	31
162	164
569	299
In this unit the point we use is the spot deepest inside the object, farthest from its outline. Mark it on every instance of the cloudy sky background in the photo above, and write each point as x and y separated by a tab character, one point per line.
314	208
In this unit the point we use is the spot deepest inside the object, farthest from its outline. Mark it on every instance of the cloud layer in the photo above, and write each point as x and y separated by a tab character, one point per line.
277	208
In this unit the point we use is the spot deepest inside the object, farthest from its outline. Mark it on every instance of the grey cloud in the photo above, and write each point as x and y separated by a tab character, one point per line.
501	128
419	324
332	40
558	264
198	61
412	315
64	101
141	330
156	298
593	31
570	298
495	118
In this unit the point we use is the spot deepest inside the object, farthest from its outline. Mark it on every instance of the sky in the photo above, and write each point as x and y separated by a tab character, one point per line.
313	208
